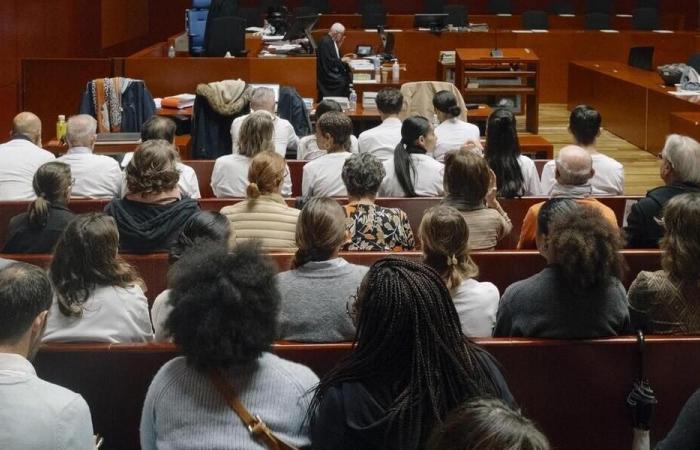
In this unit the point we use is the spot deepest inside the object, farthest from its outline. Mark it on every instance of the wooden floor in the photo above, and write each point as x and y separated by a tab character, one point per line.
641	168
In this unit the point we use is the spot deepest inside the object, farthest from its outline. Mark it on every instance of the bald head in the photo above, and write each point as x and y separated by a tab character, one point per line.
81	131
574	166
29	125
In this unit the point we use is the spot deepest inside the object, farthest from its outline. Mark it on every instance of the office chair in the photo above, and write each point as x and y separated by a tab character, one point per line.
226	34
500	7
694	62
373	15
252	16
645	19
196	24
433	6
601	6
598	21
535	20
563	7
457	15
641	57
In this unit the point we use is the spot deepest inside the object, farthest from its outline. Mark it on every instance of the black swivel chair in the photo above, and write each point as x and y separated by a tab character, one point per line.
457	15
645	19
226	34
373	15
252	16
601	6
433	6
535	20
694	62
641	57
598	21
500	7
563	7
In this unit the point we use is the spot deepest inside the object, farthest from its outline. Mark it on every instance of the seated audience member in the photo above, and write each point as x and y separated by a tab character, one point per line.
382	139
574	171
666	301
680	171
516	174
20	158
470	187
264	215
317	289
223	321
99	297
38	230
452	132
159	127
203	227
579	294
609	177
153	213
487	424
308	145
410	366
284	137
96	176
321	177
444	235
372	227
35	414
230	175
411	172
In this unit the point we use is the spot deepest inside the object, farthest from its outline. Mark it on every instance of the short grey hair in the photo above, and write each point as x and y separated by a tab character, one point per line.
575	166
337	28
683	154
263	98
80	130
363	174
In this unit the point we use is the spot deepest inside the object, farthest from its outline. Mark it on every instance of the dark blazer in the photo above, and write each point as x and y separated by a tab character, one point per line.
333	76
24	239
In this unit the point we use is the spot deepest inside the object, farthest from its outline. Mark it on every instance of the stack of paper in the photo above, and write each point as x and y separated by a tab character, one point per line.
178	101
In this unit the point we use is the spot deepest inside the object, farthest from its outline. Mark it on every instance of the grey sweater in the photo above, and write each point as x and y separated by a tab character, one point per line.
543	306
183	409
314	300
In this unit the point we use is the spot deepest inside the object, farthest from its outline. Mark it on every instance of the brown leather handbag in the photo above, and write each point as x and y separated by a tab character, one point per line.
255	425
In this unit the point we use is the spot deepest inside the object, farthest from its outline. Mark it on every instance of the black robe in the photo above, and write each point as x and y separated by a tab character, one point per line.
332	74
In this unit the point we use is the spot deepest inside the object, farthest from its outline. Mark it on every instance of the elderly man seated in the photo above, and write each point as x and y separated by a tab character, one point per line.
574	170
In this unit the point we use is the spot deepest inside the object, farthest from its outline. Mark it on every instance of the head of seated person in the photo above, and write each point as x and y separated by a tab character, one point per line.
680	161
487	424
681	242
389	102
574	167
417	138
265	175
81	131
502	151
256	134
152	175
158	127
52	185
333	130
263	99
466	181
328	105
584	125
446	106
205	226
28	125
362	175
320	231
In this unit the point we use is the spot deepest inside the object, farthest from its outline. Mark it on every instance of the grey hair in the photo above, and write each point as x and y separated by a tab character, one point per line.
263	98
336	28
683	154
574	165
362	174
80	130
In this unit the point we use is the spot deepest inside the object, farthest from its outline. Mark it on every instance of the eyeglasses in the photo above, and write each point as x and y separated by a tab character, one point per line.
662	157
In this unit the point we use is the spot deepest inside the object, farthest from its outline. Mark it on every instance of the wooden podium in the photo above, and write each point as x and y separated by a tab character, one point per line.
516	63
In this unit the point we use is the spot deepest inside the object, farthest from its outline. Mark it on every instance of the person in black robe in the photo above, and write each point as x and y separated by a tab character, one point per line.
333	75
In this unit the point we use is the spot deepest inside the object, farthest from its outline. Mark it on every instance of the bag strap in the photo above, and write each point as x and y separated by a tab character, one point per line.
257	428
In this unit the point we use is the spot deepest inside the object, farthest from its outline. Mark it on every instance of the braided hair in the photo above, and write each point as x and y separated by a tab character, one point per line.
409	340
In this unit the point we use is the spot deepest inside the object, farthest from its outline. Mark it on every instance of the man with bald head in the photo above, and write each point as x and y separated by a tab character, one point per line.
333	75
21	157
96	176
574	170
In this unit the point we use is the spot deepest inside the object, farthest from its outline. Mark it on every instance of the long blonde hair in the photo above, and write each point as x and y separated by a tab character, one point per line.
265	174
444	234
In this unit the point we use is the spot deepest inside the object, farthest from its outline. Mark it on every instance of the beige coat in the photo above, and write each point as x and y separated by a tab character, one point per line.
267	218
418	98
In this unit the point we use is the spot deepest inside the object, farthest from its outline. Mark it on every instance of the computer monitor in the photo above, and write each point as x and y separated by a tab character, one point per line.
432	21
301	27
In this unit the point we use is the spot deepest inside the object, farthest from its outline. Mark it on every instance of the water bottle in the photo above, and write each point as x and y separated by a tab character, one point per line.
395	71
61	128
171	52
353	100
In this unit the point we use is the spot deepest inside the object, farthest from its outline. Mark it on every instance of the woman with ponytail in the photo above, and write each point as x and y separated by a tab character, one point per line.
412	172
444	234
453	132
38	230
516	174
264	215
317	289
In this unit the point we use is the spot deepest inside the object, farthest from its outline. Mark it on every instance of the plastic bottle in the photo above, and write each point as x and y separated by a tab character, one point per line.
377	75
61	128
171	52
352	99
395	71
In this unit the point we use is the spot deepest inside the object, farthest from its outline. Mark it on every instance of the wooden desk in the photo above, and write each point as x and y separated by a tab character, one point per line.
182	143
686	123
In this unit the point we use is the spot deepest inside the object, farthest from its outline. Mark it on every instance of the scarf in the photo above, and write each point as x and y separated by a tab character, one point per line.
107	101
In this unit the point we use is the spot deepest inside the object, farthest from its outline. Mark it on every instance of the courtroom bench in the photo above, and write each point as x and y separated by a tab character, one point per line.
574	390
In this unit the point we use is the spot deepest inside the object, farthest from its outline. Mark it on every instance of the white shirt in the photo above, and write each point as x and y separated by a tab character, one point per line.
230	177
36	414
531	179
382	139
188	182
19	160
111	314
322	176
284	137
451	135
159	314
427	181
609	178
308	148
476	304
96	176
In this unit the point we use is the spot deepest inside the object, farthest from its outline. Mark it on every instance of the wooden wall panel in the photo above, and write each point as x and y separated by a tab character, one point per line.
123	20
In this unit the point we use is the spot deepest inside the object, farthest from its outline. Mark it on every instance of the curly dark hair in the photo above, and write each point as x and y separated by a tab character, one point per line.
153	169
586	248
204	226
225	304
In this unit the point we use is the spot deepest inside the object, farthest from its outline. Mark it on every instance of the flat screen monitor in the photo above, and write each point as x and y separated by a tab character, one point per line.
301	27
432	21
